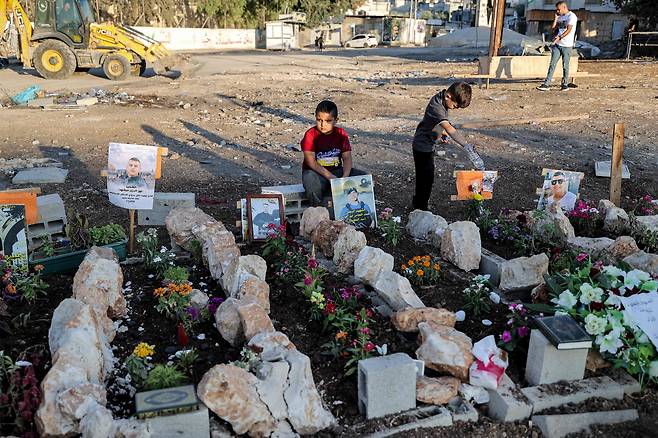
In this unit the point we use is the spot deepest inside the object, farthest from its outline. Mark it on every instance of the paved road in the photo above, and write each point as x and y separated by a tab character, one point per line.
15	78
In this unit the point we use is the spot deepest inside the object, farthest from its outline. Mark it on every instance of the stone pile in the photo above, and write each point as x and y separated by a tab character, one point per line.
74	394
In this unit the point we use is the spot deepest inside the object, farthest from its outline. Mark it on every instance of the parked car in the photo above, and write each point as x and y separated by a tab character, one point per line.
364	40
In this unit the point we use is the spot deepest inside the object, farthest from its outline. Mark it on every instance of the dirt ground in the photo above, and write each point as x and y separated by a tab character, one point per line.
235	126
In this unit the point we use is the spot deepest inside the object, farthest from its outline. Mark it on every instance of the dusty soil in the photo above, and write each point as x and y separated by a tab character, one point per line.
235	125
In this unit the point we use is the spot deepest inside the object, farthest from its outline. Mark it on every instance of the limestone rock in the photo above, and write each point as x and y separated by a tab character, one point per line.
311	218
181	220
436	391
306	413
622	247
272	346
228	322
523	272
254	320
407	320
594	246
643	261
605	205
97	424
219	249
99	283
461	245
126	428
648	223
396	291
230	392
370	263
616	220
347	247
78	400
555	224
272	382
198	299
325	235
424	224
240	269
258	289
445	349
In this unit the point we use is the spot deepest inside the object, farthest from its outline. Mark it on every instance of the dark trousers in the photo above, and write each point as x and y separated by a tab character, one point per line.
317	186
424	164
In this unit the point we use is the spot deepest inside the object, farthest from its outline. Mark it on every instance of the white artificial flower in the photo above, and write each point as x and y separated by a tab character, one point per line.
163	249
561	313
397	219
653	368
566	300
590	294
157	259
595	325
635	278
615	323
629	321
613	271
494	297
613	301
609	343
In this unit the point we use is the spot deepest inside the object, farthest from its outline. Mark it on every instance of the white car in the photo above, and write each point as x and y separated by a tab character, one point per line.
362	40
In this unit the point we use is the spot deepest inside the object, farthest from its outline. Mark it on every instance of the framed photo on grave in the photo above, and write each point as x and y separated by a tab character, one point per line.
559	185
353	200
13	236
474	182
263	212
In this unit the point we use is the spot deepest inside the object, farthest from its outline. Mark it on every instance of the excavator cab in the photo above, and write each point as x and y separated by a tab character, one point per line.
68	20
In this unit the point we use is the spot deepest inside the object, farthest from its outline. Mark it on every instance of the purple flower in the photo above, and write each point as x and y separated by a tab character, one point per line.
522	331
193	312
345	294
213	304
308	280
506	336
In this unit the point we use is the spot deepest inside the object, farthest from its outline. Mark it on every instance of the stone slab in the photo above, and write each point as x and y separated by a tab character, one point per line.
164	399
492	265
558	426
41	175
627	382
507	403
163	203
442	419
602	169
386	385
550	396
195	424
463	411
547	364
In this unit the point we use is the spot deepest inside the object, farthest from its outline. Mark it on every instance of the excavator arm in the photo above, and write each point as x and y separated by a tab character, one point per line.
12	13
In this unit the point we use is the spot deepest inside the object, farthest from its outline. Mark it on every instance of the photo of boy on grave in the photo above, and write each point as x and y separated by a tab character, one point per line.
560	186
131	175
354	201
13	238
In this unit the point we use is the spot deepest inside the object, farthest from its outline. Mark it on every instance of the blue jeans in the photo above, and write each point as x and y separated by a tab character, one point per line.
556	53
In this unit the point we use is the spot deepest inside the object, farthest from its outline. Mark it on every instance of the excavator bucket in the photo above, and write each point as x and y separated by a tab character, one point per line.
175	63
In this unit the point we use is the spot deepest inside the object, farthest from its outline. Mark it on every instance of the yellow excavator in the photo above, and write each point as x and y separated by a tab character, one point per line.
66	37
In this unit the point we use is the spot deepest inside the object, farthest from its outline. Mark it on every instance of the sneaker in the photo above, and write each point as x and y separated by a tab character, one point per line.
564	88
474	157
543	87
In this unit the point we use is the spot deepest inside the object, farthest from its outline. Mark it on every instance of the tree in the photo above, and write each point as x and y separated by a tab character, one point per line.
227	11
645	10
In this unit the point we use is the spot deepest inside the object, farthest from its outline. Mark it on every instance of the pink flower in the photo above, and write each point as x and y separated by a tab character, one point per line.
365	330
581	257
308	280
312	263
522	332
506	336
369	346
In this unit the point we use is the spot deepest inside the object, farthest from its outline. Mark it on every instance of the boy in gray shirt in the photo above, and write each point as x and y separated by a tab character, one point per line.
434	122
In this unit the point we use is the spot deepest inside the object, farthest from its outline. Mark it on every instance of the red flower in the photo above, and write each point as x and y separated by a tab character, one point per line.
312	263
182	337
369	346
330	308
369	313
596	306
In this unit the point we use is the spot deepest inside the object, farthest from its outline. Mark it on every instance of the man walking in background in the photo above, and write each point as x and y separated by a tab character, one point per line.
564	28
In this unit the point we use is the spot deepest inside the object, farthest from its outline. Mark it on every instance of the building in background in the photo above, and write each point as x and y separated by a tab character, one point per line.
596	22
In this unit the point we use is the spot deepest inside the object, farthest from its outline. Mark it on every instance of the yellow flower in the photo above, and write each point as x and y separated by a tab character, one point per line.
478	197
143	350
420	273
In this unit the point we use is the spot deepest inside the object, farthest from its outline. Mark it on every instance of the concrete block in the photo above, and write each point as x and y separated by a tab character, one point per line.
41	175
442	419
551	396
386	385
290	192
463	411
627	382
195	424
507	403
514	67
51	219
558	426
491	264
547	364
163	203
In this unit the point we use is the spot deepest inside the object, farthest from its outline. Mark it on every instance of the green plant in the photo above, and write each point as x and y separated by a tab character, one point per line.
164	376
186	360
30	286
422	270
196	251
390	226
176	274
17	282
477	295
312	287
106	234
156	259
77	230
248	359
137	364
47	248
173	300
517	332
275	246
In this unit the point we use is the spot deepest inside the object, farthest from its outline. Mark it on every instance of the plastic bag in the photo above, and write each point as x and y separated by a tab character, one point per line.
490	364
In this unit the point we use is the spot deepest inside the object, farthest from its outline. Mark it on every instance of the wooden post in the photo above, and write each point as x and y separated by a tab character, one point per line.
497	24
616	164
131	242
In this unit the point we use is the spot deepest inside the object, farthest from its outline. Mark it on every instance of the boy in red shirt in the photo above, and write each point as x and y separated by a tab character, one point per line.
327	154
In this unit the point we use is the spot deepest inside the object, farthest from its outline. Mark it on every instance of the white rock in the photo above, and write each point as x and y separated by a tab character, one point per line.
97	424
445	349
311	218
523	272
198	299
272	346
240	270
476	394
555	224
396	291
349	244
461	245
648	223
643	261
616	219
273	380
370	263
424	224
460	315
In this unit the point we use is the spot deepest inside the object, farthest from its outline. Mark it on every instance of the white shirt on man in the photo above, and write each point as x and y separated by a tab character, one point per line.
569	19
